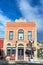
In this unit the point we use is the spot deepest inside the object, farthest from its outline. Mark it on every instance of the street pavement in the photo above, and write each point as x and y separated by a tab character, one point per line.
26	64
3	62
21	64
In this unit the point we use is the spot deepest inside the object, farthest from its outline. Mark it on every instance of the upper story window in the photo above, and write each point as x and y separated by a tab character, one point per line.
10	35
29	35
20	34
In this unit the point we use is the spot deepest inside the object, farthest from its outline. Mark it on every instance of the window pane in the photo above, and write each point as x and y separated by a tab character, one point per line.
29	34
13	51
22	52
30	37
20	35
11	35
8	51
18	52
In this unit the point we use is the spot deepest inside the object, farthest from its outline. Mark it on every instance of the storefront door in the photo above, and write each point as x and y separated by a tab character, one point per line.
20	53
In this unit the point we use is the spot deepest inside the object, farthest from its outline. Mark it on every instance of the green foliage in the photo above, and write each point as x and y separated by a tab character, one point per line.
40	52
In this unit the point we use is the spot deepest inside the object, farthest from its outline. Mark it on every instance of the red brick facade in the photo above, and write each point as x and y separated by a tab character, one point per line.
1	42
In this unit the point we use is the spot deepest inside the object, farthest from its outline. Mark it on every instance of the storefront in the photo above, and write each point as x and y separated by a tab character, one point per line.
17	35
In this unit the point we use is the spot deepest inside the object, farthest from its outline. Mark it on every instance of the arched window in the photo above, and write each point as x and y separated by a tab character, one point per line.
20	45
8	44
20	34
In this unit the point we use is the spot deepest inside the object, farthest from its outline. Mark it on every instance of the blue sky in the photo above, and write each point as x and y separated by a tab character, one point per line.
31	10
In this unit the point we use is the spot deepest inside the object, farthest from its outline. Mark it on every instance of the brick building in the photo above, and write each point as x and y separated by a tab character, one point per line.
1	43
17	36
1	47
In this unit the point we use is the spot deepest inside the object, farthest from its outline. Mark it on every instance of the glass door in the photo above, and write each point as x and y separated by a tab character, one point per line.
20	53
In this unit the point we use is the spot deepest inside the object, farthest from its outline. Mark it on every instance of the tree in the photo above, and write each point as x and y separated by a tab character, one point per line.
40	53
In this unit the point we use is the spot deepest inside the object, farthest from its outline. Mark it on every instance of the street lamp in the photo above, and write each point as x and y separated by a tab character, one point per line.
31	42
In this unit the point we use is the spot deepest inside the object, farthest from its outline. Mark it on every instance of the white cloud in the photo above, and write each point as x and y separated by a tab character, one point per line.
30	13
26	10
3	20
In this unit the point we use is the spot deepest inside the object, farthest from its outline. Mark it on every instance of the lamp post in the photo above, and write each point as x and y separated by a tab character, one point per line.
31	42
